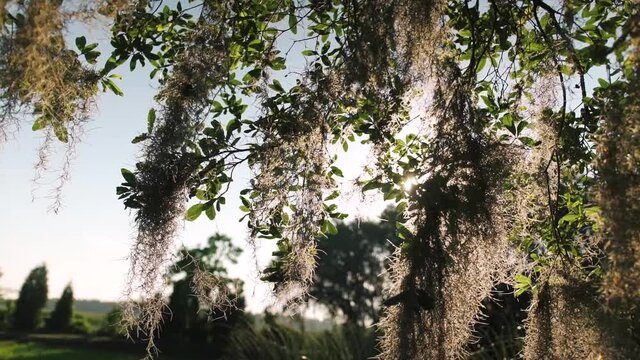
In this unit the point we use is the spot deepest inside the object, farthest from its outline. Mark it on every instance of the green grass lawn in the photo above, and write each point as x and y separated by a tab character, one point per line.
11	350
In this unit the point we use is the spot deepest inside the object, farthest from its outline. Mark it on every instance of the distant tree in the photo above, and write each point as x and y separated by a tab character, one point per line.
4	310
5	314
189	319
32	298
347	279
60	319
1	287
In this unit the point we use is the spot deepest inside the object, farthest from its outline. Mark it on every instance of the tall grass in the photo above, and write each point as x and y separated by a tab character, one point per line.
279	342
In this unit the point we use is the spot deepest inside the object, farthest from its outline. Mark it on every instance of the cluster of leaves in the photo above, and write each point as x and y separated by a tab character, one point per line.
233	138
506	53
509	51
40	73
512	52
155	36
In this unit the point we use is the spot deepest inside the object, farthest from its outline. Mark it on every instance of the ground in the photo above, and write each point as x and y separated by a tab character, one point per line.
13	350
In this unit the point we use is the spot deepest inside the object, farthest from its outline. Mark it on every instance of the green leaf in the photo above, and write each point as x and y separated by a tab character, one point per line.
194	212
401	207
139	138
592	213
91	56
40	123
325	48
252	75
489	102
529	141
507	121
61	133
521	290
128	176
523	284
201	194
569	218
566	69
91	47
336	171
277	86
329	228
232	125
111	64
245	202
371	185
521	126
293	23
332	196
522	279
603	83
210	212
403	232
151	119
108	84
217	107
81	42
255	44
481	64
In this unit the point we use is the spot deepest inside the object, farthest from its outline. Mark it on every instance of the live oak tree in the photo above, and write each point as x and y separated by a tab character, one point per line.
60	318
515	121
190	319
347	280
31	299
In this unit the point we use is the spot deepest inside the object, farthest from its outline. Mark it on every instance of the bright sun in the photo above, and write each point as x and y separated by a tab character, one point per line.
409	183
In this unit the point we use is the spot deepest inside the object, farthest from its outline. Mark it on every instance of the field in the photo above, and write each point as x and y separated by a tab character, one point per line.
12	350
75	347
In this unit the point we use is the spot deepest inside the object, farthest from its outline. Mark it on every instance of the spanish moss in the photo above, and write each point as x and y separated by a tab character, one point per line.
459	246
162	179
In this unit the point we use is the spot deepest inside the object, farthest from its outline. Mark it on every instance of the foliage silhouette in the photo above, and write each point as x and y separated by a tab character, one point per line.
31	300
192	322
60	318
348	278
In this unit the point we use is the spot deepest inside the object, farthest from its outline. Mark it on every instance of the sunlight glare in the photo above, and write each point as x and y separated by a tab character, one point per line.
409	183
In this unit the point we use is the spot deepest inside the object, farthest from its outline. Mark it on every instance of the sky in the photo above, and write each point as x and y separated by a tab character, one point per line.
87	242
